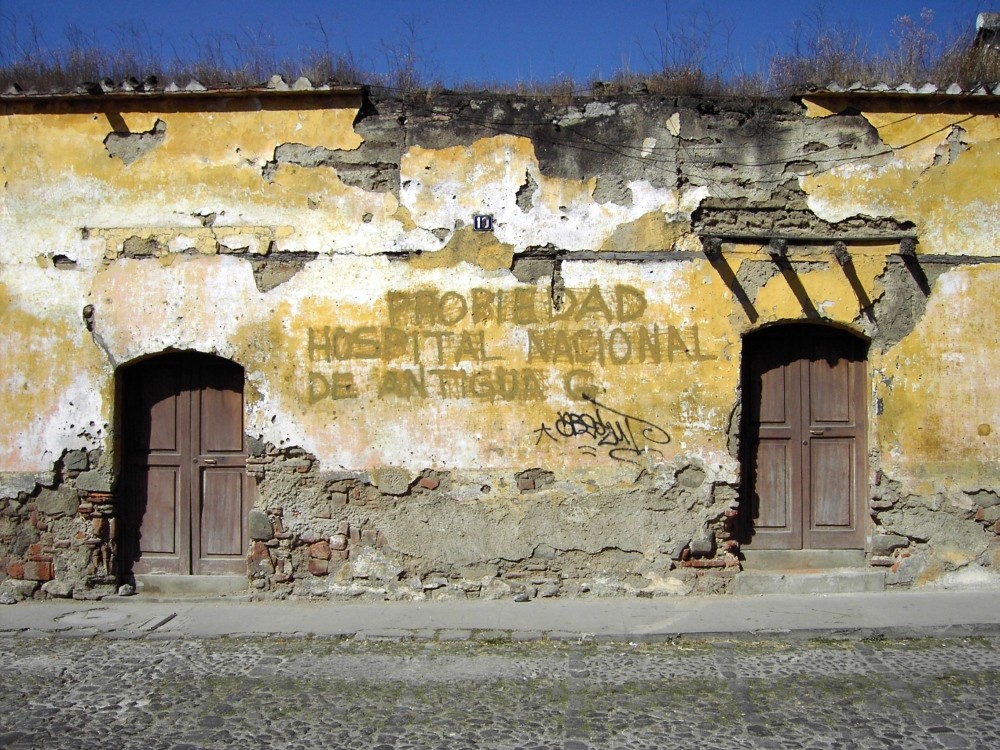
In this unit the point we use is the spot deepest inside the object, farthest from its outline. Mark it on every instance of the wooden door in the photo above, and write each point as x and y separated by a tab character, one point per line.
186	499
804	439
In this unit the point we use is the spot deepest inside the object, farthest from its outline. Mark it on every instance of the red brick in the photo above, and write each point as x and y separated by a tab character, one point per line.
15	570
525	483
429	483
704	563
258	552
38	571
319	567
320	550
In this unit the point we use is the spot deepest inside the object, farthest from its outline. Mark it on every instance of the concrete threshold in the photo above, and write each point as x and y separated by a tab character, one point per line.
807	572
803	559
806	581
162	585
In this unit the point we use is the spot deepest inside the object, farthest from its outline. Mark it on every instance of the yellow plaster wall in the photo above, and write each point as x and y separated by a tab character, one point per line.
65	195
950	192
939	389
55	391
361	405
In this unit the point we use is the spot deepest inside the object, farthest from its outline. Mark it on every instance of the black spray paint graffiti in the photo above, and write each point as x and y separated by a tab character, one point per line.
624	436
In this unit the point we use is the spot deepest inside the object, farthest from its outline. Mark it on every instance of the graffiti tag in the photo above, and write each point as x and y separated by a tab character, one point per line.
625	437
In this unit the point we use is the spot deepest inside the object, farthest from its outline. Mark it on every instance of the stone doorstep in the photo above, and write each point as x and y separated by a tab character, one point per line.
809	581
190	586
826	571
803	560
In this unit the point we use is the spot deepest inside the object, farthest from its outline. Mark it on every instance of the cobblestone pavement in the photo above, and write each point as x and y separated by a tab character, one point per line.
326	693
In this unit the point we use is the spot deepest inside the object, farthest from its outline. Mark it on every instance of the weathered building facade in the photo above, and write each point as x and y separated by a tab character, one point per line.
488	346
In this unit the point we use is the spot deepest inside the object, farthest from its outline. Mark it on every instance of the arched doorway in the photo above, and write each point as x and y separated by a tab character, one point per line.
803	439
185	499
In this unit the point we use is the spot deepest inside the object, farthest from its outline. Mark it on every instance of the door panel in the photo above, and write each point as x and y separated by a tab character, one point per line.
805	390
831	464
221	416
773	481
222	500
162	509
829	390
185	466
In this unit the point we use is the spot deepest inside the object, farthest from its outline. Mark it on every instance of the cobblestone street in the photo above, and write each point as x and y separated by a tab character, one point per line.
311	693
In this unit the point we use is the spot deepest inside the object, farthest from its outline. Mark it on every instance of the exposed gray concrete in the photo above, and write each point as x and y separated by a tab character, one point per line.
802	559
781	617
196	586
835	581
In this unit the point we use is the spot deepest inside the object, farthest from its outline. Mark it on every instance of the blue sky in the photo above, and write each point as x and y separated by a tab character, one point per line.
475	40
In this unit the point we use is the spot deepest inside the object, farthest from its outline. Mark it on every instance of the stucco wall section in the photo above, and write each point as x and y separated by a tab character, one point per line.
551	406
932	170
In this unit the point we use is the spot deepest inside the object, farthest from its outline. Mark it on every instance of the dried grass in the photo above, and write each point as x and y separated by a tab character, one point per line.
820	54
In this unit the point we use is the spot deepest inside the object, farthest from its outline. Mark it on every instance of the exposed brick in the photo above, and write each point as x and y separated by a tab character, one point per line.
320	550
429	483
319	567
38	571
714	563
309	537
258	552
345	527
525	483
380	539
338	499
15	570
368	536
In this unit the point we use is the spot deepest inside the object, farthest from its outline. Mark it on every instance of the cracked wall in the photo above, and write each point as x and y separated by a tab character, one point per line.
549	408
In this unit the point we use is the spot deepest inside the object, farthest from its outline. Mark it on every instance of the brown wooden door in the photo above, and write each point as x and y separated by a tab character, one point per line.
186	499
804	439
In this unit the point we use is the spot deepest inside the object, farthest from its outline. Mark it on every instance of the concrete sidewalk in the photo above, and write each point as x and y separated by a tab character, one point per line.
939	613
